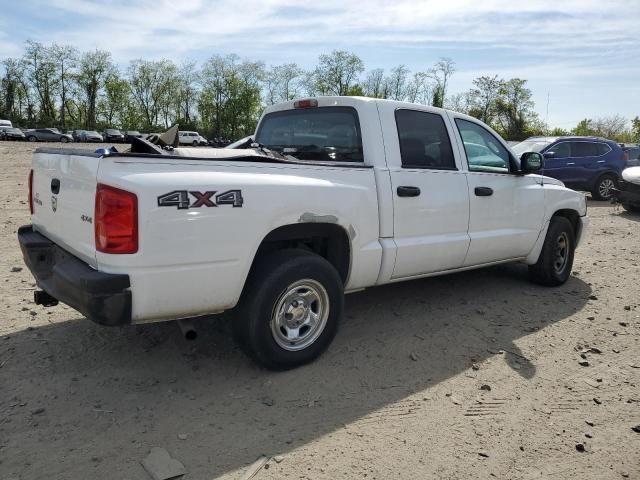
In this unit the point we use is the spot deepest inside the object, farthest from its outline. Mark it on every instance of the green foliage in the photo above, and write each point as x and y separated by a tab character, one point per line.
57	86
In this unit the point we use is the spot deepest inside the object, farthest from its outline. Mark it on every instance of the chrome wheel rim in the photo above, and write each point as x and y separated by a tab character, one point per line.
300	315
562	253
605	189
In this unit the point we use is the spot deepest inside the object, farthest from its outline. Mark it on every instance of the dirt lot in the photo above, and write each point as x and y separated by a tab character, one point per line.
474	375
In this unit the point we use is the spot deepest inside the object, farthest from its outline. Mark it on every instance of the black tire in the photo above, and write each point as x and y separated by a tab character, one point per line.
195	144
631	208
603	188
64	139
547	270
255	322
31	138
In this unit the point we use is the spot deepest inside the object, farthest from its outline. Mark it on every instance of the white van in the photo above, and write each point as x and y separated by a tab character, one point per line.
6	123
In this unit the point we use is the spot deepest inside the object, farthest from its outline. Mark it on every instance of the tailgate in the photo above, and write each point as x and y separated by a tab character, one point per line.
64	187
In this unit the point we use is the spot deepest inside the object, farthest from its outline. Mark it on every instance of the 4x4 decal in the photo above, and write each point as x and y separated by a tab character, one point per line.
182	199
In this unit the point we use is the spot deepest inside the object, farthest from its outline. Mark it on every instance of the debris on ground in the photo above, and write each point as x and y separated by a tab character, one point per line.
161	466
413	357
486	388
254	468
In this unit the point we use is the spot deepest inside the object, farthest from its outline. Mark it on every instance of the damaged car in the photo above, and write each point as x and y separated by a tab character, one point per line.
627	190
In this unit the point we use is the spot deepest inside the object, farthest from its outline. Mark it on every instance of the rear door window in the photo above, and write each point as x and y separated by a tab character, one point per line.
424	141
320	133
585	149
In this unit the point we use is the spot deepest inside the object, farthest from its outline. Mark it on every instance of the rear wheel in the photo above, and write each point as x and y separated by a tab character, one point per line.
556	258
290	309
604	187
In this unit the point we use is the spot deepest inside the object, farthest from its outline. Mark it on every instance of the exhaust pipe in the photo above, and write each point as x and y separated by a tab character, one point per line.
188	329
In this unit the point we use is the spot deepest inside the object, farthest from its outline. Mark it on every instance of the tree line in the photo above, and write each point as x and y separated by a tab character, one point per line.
59	86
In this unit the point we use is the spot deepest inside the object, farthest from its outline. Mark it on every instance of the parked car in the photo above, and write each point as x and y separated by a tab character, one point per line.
112	135
582	163
129	134
89	136
47	135
632	155
627	190
10	133
191	138
219	142
343	196
6	123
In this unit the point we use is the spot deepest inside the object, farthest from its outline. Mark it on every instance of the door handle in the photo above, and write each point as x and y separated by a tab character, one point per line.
408	191
483	191
602	161
55	186
571	163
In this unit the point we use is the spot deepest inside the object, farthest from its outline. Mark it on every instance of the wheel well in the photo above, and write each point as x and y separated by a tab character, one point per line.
572	216
325	239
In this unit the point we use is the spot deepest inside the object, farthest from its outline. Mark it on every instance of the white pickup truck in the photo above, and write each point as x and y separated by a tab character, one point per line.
337	194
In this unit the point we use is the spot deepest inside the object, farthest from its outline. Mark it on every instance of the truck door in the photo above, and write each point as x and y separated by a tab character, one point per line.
506	210
430	195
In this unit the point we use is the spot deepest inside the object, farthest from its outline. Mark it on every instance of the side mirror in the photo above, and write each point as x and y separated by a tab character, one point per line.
549	154
531	162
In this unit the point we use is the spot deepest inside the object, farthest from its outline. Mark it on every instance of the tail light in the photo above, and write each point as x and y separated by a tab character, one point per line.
31	191
625	157
308	103
116	220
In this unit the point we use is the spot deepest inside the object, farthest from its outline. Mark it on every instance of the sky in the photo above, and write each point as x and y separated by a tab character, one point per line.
580	57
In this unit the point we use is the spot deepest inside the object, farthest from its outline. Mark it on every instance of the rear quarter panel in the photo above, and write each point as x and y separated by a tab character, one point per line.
195	261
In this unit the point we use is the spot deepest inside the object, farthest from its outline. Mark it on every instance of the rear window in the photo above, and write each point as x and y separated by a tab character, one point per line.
603	149
325	134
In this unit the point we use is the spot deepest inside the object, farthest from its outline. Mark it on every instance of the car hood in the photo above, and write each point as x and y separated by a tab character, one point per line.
631	175
552	181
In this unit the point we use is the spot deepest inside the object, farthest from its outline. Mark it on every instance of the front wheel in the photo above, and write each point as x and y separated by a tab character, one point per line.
31	138
64	139
556	258
195	144
290	309
604	187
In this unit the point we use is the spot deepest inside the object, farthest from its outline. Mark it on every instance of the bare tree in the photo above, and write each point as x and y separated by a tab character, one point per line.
397	82
66	58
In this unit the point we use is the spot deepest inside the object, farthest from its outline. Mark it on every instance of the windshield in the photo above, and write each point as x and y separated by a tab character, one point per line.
111	131
530	146
91	132
325	134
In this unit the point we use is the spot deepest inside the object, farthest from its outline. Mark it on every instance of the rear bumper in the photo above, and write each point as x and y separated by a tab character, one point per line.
104	298
626	192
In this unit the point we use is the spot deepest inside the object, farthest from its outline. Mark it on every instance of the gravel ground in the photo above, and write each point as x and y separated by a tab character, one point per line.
474	375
